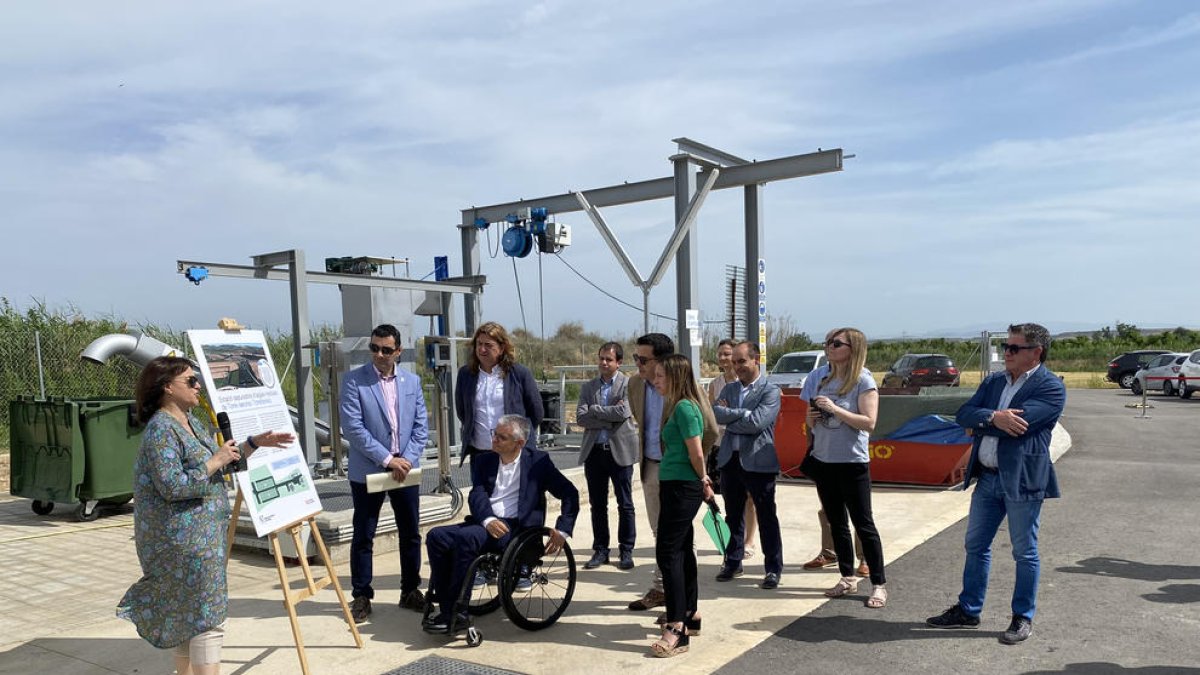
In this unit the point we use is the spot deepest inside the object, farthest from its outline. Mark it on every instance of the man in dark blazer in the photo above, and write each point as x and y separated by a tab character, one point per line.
383	419
1012	416
509	496
748	407
608	451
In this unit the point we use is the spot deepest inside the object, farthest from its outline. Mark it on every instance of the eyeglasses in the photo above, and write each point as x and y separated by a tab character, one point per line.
191	381
503	438
1015	349
835	343
643	360
376	349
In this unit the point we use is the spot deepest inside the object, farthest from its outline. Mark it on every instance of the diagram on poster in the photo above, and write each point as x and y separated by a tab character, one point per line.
239	376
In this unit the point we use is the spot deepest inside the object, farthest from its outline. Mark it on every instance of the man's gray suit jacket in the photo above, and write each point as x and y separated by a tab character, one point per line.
617	419
753	435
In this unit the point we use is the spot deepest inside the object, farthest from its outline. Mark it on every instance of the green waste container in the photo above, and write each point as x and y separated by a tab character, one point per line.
66	451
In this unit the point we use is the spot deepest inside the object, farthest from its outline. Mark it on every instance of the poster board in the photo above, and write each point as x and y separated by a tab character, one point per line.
240	378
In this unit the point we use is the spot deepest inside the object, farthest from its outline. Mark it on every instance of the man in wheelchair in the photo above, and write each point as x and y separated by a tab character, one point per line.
509	496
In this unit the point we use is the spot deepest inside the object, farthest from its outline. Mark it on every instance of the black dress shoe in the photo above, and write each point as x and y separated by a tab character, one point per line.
626	562
360	608
441	623
771	581
728	572
1018	631
598	558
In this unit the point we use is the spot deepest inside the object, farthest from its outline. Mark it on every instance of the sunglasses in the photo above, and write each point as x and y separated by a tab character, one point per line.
836	343
376	349
1015	349
192	381
643	360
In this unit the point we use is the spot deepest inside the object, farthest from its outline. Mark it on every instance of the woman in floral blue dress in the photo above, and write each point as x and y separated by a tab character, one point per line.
181	511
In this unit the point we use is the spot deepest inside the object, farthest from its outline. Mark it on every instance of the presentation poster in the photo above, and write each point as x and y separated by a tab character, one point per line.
241	381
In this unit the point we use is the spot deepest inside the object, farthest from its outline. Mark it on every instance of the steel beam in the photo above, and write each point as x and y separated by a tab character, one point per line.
683	228
754	173
473	284
611	239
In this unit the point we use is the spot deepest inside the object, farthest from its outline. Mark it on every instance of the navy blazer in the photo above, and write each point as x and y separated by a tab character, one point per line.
521	397
538	476
1026	472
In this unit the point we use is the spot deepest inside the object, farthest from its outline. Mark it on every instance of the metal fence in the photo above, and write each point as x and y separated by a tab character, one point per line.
31	364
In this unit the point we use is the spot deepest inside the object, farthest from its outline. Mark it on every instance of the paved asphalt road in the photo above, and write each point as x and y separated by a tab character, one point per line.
1120	584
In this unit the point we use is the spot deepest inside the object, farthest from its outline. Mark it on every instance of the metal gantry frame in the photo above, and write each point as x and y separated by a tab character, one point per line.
266	266
698	169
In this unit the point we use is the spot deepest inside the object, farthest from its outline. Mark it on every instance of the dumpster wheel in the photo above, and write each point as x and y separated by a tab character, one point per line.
86	515
42	508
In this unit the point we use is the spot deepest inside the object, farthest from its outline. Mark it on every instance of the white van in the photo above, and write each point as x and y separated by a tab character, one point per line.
792	369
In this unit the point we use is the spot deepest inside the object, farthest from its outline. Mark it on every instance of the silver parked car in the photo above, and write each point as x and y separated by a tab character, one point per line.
792	369
1160	372
1189	375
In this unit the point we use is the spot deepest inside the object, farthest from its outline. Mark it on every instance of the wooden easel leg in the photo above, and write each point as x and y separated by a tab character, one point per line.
233	521
333	577
287	601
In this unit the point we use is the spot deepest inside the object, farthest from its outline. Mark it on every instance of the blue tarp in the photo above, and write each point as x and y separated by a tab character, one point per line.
933	429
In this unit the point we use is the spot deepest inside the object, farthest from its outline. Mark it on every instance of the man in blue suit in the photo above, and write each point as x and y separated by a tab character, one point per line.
508	497
1012	416
748	407
383	419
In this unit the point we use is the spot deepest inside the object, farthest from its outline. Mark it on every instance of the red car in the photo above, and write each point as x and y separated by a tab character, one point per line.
922	370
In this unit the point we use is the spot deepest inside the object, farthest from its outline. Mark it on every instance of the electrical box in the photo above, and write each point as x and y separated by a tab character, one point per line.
438	351
558	234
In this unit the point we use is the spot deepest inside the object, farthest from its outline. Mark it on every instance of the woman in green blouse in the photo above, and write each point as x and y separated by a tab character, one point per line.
683	486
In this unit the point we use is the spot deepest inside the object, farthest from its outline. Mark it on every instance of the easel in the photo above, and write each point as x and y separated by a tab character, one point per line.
311	586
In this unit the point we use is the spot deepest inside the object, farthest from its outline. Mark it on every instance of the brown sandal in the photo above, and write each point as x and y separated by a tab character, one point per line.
663	647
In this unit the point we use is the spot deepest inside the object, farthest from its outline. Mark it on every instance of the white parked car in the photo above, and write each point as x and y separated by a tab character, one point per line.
792	369
1160	372
1189	375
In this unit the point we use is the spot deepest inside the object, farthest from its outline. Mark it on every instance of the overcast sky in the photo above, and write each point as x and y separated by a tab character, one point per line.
1014	160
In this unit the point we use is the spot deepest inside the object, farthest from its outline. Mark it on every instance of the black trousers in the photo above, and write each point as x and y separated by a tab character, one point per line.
736	483
600	469
406	506
846	487
673	549
451	549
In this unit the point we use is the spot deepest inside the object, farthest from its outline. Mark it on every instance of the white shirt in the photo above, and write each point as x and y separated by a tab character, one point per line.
489	406
506	497
989	447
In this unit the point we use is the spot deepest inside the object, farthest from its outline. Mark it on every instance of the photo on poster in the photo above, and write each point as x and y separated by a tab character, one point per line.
239	376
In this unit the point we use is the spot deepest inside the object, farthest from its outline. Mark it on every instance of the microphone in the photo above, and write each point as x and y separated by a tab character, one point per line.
227	434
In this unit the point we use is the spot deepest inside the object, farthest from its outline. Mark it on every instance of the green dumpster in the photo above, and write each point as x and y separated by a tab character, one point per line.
79	451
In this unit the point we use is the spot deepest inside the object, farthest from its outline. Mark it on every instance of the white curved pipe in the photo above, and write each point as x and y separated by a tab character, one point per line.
137	347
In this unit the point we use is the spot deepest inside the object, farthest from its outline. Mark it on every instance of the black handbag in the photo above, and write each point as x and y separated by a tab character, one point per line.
714	474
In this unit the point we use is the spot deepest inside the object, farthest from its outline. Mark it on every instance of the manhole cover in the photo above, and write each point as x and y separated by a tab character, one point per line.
437	665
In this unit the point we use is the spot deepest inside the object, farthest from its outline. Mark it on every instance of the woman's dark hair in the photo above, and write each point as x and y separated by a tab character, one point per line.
153	379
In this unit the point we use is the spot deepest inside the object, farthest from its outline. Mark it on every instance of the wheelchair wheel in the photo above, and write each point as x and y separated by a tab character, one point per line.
482	598
536	588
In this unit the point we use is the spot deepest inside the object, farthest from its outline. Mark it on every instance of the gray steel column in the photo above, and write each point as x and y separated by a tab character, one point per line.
472	307
687	261
448	323
755	238
302	356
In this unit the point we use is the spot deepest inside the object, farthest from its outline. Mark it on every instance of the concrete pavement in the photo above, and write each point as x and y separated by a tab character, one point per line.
59	582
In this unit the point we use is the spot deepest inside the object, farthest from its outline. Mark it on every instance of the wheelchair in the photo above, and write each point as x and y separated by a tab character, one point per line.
533	588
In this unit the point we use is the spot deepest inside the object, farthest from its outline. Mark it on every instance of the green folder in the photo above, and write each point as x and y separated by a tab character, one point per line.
717	529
